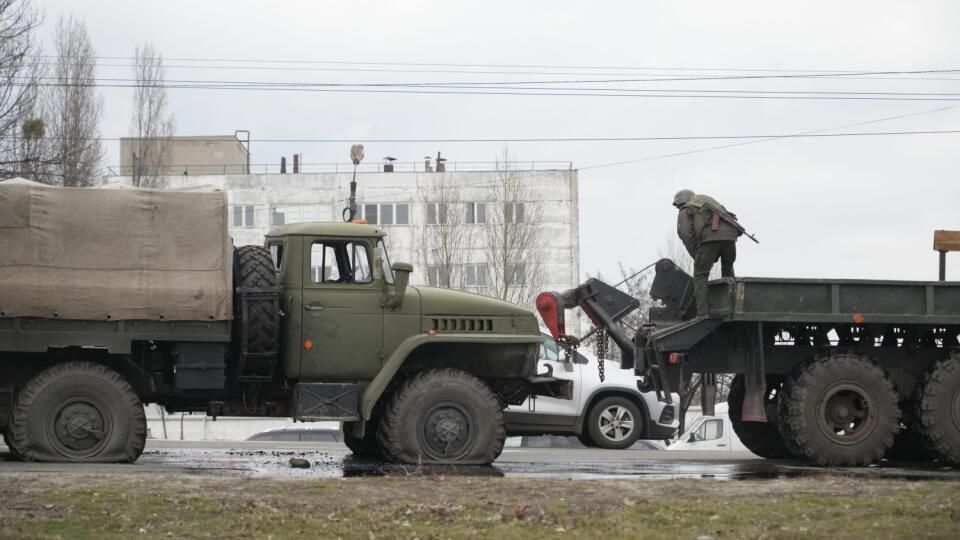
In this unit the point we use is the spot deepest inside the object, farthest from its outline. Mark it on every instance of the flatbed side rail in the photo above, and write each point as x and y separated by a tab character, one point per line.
837	301
25	334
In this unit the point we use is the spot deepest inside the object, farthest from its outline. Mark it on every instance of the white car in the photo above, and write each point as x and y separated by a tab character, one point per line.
710	433
611	414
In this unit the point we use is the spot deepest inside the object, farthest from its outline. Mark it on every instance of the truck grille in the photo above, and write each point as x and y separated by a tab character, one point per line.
460	325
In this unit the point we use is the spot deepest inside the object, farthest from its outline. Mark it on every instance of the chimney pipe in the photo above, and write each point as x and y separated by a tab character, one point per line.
388	163
296	163
283	165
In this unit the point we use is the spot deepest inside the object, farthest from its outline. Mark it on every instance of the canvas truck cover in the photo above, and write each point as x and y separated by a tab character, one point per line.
114	254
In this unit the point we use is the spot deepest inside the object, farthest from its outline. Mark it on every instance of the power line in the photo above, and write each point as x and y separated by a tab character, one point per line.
803	134
205	83
566	139
555	93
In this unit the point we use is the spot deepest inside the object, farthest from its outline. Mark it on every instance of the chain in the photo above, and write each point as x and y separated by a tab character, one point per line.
568	344
601	350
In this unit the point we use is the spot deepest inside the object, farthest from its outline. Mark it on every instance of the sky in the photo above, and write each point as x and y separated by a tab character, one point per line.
824	207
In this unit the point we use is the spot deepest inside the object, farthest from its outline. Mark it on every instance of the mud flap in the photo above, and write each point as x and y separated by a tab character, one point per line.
708	393
756	381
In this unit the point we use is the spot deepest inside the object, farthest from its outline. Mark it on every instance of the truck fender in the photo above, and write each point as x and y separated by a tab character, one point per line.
375	389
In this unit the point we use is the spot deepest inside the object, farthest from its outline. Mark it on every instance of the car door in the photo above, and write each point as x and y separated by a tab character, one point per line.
711	435
342	328
552	358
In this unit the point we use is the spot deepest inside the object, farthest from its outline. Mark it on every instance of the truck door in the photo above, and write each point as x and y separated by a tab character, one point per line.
342	330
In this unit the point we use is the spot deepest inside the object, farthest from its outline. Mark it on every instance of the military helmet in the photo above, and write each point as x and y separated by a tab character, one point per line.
682	197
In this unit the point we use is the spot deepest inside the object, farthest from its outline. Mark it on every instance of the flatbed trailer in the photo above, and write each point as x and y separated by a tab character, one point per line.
831	371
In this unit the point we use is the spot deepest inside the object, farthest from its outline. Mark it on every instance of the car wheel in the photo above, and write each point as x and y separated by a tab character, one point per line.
585	440
614	422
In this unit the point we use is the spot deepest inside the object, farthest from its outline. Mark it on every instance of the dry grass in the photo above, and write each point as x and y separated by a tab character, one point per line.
151	506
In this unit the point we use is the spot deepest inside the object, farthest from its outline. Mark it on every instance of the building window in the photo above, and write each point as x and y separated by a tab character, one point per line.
476	212
299	213
475	275
438	276
513	212
517	274
242	215
387	213
436	213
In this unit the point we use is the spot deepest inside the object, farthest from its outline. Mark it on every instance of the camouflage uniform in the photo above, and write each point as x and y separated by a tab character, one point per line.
708	237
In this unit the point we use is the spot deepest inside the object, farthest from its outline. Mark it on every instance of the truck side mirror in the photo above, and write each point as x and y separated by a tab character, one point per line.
401	273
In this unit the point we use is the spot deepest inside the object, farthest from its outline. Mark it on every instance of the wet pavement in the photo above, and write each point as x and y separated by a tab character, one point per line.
333	460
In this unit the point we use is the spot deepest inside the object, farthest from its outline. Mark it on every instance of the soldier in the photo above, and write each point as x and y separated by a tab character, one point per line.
709	232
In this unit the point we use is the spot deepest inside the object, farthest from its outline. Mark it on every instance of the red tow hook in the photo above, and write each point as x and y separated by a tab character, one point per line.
551	311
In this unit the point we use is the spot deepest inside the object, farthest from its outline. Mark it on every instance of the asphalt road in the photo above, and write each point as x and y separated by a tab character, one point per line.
331	460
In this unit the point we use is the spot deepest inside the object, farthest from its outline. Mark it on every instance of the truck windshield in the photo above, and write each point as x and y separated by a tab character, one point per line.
385	261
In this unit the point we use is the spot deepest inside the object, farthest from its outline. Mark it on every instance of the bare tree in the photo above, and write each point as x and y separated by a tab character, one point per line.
73	107
20	72
151	125
511	235
441	239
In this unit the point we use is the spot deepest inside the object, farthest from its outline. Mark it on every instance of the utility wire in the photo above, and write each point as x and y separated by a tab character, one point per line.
503	93
810	134
803	134
272	84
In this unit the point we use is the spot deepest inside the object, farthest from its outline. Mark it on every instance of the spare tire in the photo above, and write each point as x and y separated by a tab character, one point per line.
254	272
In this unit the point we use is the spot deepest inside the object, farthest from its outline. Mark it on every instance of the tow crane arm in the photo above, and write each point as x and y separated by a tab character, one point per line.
604	305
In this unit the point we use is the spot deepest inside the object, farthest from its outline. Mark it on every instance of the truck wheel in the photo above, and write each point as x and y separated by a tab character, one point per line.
839	410
763	439
253	269
443	416
78	411
614	422
938	408
366	446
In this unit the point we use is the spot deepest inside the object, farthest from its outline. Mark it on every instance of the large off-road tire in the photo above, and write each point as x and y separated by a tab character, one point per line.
363	447
761	438
937	409
839	410
442	416
253	268
614	423
78	411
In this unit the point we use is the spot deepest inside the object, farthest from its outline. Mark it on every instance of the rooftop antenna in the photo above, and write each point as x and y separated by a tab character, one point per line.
356	155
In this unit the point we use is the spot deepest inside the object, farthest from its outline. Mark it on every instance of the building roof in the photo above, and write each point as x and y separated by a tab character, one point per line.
329	228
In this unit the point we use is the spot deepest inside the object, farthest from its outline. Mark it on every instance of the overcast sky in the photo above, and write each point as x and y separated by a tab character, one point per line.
862	207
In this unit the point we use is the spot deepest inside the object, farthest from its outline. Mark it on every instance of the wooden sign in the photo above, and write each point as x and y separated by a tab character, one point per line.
946	240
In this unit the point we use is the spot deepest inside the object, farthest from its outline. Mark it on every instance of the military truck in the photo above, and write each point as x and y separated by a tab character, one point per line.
114	298
830	371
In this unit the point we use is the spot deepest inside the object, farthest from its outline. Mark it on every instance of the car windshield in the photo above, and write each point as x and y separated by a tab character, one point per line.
385	261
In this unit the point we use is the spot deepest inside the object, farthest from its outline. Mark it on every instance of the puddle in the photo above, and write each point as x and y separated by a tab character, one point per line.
335	461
